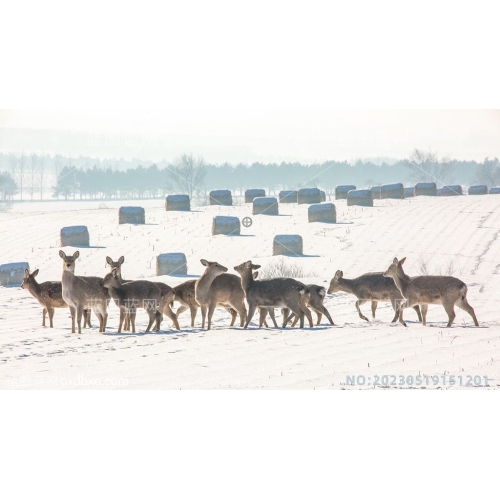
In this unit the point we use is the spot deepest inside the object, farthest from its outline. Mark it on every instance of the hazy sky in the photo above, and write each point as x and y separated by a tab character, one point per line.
247	136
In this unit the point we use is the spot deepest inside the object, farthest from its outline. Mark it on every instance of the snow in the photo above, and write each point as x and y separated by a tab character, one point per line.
457	234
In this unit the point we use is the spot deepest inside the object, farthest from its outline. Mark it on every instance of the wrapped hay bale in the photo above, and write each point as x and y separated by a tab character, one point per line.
494	190
287	244
409	192
131	215
453	190
360	197
178	202
341	191
322	212
308	195
376	192
226	225
288	196
171	263
425	189
250	194
12	273
75	236
476	190
267	205
221	197
392	191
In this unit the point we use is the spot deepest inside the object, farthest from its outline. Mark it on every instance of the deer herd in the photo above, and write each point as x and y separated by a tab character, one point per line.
218	288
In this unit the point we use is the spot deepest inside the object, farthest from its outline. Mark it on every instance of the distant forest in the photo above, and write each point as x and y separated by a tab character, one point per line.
44	177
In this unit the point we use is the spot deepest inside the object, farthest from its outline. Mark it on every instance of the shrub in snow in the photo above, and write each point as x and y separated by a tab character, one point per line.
494	190
178	202
287	244
425	189
221	197
288	196
251	194
454	190
13	273
376	192
476	190
308	195
360	197
267	205
131	215
171	263
226	225
75	236
409	192
341	191
393	191
323	212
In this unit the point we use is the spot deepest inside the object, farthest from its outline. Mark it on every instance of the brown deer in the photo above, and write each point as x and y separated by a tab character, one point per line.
82	292
277	292
374	287
445	290
314	300
214	288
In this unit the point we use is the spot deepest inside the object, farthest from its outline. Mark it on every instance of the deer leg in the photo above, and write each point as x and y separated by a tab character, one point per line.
132	313
300	313
450	310
79	313
158	319
358	303
86	320
152	317
323	310
251	312
397	307
72	310
463	304
203	315
233	314
44	312
194	310
417	310
374	307
50	310
262	318
424	308
402	307
307	314
172	316
211	309
122	317
240	309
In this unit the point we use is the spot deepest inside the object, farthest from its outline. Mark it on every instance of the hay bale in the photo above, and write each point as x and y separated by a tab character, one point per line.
178	202
13	273
131	215
476	190
75	236
392	191
267	205
376	192
308	195
425	189
287	244
452	190
322	196
221	197
250	194
288	196
360	197
409	192
323	212
341	191
171	263
226	225
494	190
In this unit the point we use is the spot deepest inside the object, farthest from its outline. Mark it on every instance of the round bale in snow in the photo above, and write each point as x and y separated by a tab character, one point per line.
171	263
476	190
288	196
322	212
287	244
267	205
453	190
360	197
376	192
494	190
308	195
222	224
178	202
221	197
75	236
409	192
251	194
13	273
341	191
131	215
393	191
425	189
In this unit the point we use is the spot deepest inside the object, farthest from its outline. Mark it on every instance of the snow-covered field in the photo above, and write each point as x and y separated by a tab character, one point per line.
442	234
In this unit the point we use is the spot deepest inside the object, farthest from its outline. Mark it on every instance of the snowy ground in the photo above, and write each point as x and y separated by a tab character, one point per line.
443	234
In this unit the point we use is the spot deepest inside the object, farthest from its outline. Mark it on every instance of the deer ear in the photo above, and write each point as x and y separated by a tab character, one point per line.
256	266
402	261
204	262
109	261
121	260
395	261
76	255
62	254
255	275
338	275
35	272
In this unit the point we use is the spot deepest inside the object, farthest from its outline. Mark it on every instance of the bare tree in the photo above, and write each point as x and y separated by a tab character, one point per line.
41	174
489	172
425	166
32	174
187	174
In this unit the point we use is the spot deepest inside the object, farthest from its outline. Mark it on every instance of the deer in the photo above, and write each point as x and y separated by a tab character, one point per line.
276	292
215	288
81	292
131	295
424	290
314	300
374	287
